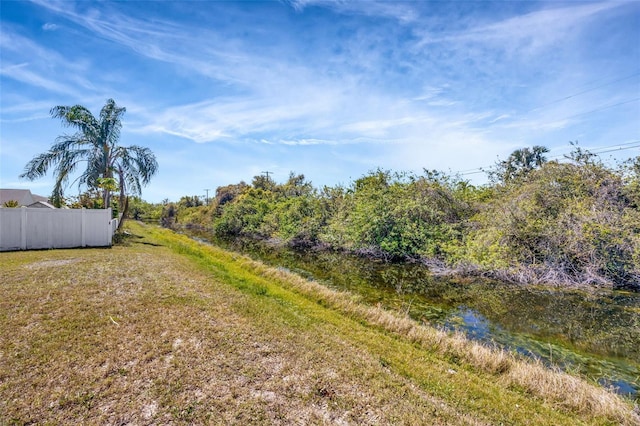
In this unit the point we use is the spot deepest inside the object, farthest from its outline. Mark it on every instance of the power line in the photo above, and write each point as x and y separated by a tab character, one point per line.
587	90
600	150
637	73
620	147
603	108
606	148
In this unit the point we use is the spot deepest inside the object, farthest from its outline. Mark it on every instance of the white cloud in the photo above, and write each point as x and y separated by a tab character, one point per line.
442	103
390	84
529	33
225	119
500	117
307	142
28	62
199	50
22	73
49	27
400	11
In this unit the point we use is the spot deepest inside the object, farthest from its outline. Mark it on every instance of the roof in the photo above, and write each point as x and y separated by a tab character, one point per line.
24	197
42	204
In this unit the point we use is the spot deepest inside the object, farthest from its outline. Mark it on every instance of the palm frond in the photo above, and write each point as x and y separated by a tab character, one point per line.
58	189
38	166
136	166
79	117
69	142
67	164
145	162
111	123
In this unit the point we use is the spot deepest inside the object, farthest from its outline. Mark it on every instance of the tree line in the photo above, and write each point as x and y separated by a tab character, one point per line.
566	222
570	222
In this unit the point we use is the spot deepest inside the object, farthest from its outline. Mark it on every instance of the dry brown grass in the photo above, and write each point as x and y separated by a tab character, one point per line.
137	336
555	386
142	335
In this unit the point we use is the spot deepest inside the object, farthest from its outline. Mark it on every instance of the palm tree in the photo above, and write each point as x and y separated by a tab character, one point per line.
96	144
520	163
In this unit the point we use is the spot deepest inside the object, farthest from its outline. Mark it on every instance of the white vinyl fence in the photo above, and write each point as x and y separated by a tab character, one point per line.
37	228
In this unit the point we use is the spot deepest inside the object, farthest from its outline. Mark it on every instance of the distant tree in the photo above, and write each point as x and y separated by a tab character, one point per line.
189	201
96	144
11	203
519	164
296	186
144	211
263	182
168	215
225	194
581	155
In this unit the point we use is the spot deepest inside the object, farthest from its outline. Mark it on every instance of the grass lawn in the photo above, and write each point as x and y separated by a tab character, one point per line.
164	330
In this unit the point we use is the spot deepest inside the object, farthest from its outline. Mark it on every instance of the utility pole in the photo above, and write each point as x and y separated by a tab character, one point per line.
267	173
206	199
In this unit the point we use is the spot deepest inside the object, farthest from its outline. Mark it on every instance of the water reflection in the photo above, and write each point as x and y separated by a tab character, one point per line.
597	335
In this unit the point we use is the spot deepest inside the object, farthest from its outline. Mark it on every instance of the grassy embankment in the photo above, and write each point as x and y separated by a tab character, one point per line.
167	330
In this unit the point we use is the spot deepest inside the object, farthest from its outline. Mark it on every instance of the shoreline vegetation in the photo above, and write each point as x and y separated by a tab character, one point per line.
571	224
163	329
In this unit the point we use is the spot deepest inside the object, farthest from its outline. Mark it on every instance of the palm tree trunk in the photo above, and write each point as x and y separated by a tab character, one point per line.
107	198
125	210
121	201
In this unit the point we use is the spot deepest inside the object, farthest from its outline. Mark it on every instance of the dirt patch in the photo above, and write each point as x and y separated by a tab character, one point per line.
51	263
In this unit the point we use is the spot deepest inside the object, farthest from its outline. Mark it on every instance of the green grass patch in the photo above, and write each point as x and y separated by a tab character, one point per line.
162	329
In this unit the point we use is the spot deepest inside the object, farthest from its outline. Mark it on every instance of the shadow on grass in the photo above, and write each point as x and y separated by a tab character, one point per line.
126	238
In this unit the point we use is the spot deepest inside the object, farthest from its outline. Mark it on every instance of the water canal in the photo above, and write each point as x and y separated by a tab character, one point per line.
594	334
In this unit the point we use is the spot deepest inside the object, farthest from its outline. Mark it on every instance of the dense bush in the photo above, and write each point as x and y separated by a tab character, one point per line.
400	215
562	222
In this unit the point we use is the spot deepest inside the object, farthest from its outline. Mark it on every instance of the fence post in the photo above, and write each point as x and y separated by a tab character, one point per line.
23	228
110	226
50	224
83	226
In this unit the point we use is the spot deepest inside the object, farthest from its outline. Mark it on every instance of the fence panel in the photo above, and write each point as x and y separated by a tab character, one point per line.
67	231
97	227
10	229
36	228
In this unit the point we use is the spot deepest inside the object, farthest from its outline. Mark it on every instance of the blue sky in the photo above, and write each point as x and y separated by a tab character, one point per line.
223	91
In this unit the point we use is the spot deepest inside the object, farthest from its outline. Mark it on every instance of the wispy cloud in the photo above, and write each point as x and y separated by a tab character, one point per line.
400	11
344	85
21	72
199	50
529	33
11	41
240	119
28	62
302	98
303	142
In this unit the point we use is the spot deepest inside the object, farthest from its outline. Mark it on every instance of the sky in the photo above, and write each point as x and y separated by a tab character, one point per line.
222	91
